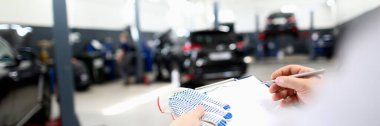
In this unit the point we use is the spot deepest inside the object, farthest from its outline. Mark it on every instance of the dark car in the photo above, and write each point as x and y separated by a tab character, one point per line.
280	34
91	56
163	56
167	54
281	23
211	55
323	45
81	75
24	92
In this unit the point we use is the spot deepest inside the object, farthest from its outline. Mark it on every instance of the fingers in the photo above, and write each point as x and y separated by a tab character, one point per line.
298	84
209	110
288	96
214	119
185	101
289	101
223	105
217	110
192	118
198	112
285	86
274	88
282	94
289	70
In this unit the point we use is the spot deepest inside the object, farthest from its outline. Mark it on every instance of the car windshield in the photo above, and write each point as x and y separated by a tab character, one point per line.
280	15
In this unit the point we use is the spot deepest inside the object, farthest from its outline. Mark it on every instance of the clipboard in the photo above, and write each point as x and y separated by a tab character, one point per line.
250	101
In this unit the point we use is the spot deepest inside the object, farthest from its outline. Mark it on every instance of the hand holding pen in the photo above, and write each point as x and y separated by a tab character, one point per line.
291	89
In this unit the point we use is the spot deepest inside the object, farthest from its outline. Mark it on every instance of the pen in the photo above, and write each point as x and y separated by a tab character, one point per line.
299	75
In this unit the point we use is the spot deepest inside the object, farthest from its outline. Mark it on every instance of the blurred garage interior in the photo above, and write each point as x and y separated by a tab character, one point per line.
103	62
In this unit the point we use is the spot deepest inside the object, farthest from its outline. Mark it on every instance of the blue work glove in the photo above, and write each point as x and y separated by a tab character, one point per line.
216	113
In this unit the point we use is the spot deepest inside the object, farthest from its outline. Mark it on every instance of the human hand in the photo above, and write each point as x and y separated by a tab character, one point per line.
290	89
192	118
183	102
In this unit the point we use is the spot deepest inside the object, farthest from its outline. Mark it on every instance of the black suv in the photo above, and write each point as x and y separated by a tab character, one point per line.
211	55
24	92
280	34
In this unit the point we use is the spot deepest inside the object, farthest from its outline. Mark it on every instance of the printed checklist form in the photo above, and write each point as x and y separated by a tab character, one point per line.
251	103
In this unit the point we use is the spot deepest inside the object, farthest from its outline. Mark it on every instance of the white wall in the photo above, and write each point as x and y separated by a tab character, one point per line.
324	16
99	14
348	9
30	12
95	14
159	15
153	16
176	14
245	11
109	14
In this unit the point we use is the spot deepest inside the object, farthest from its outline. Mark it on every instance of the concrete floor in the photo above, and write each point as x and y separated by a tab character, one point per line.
91	106
115	104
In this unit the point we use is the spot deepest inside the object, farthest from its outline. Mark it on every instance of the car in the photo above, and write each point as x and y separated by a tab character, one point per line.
24	91
210	55
163	56
323	45
92	58
280	34
81	75
281	23
166	54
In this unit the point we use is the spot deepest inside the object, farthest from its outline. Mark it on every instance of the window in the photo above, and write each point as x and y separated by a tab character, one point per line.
6	55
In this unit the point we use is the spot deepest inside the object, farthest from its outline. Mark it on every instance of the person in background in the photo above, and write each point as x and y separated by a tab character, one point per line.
126	58
349	93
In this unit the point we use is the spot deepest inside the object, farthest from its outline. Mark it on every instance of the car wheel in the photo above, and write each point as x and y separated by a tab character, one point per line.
84	82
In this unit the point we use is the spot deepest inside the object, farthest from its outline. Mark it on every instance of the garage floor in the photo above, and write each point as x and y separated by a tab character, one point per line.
115	104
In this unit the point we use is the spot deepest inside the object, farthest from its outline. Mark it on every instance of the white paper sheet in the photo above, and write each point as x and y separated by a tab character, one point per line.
250	102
